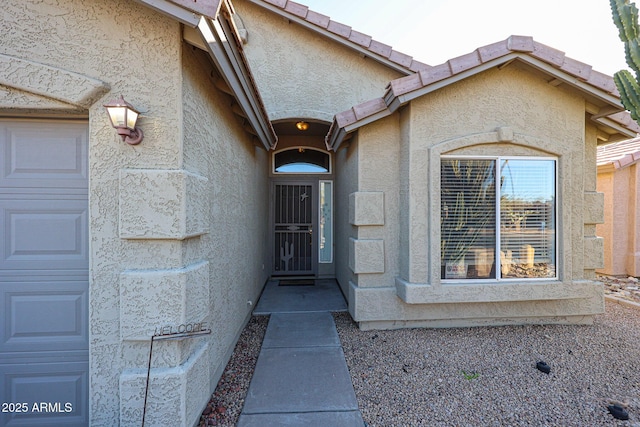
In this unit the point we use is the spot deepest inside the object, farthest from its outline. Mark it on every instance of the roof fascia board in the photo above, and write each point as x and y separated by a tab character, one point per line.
615	126
185	16
227	62
606	168
308	25
248	83
609	98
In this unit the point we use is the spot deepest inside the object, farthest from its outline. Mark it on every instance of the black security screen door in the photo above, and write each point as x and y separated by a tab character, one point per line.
293	223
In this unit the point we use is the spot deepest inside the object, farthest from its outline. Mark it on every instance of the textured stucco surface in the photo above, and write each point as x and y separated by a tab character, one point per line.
620	229
366	208
162	204
217	147
302	74
514	113
191	199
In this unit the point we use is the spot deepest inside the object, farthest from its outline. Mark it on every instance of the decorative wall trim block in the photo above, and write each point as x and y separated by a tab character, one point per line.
366	208
366	256
51	82
151	299
162	204
176	395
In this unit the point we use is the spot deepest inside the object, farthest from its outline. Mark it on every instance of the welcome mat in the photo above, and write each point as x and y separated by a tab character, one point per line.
297	282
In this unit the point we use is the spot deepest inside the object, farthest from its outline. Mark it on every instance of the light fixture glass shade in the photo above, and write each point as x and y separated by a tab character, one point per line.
132	118
122	114
117	115
302	125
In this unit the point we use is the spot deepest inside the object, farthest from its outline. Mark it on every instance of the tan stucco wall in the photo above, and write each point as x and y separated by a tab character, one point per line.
173	220
217	147
620	229
499	112
302	74
346	184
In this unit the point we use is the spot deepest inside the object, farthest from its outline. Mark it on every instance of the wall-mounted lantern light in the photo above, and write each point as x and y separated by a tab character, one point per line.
123	117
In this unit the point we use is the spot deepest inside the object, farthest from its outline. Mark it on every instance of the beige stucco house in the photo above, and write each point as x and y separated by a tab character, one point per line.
449	195
619	181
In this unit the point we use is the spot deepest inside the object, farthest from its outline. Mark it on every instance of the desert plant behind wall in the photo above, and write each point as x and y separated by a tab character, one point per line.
625	16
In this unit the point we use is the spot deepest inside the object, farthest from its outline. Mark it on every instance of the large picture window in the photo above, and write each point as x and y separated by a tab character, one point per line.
498	218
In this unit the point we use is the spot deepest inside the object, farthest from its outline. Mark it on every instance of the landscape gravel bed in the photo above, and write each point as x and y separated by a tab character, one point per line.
483	376
487	376
226	403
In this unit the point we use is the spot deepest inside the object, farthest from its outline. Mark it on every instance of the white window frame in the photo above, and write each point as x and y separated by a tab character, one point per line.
498	278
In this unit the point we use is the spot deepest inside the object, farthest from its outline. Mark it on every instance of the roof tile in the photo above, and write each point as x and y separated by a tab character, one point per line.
380	48
405	84
520	43
548	54
346	118
369	108
417	66
401	58
494	50
360	38
620	153
279	3
464	62
577	68
435	74
602	81
318	19
339	29
297	9
324	22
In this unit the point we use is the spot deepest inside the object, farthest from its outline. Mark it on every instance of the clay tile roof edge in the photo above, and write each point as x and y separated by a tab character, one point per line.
403	89
344	34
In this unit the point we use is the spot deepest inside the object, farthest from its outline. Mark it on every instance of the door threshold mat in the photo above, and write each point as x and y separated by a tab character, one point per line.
297	282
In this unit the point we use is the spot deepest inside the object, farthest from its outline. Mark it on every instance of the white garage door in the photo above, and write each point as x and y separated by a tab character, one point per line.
43	273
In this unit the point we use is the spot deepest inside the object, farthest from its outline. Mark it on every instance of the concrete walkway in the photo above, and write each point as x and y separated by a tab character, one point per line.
301	377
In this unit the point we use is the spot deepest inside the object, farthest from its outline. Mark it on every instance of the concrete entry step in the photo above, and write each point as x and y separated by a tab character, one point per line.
324	295
301	377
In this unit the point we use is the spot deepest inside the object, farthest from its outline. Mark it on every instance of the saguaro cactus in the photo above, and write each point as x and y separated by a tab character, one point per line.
625	16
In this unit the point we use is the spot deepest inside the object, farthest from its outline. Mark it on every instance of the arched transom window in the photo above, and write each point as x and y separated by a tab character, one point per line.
302	160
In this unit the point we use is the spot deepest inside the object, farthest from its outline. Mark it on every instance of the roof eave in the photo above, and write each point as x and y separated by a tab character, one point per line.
229	60
180	13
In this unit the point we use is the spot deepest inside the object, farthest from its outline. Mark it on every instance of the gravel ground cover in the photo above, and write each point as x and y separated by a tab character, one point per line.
226	403
482	376
487	376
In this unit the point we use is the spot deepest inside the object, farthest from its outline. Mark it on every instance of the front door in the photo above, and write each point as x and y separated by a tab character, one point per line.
294	216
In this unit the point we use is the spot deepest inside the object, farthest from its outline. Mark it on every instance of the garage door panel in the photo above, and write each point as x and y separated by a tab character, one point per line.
43	156
44	271
43	316
55	393
44	234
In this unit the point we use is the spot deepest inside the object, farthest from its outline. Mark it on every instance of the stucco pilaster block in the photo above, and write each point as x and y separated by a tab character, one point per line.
593	253
593	207
366	256
366	208
151	299
176	395
162	204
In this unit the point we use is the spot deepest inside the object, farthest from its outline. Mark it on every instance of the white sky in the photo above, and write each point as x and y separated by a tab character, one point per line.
433	31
